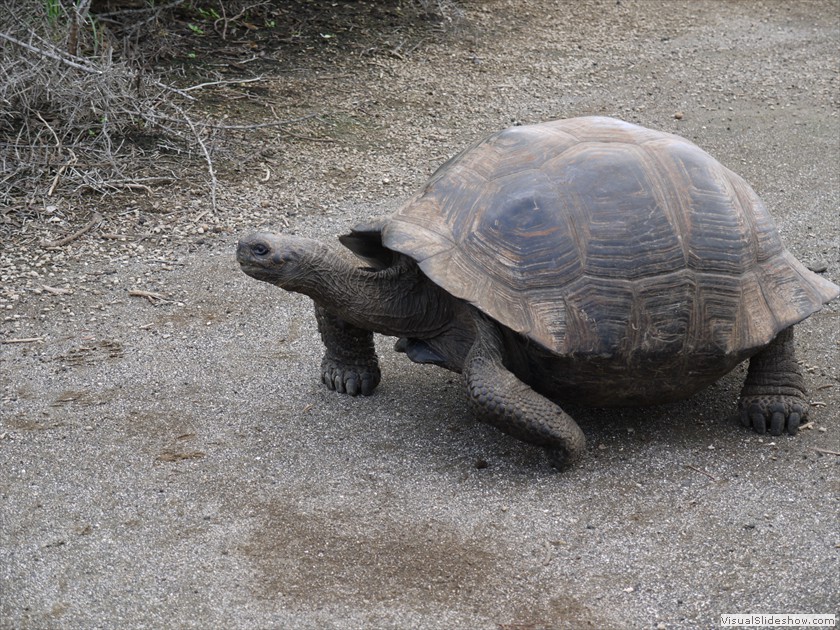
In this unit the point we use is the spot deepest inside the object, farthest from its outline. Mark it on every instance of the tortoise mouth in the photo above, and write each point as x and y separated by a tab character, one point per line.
252	269
256	269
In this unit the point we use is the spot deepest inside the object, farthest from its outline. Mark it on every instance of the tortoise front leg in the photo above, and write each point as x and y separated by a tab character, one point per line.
350	365
501	399
773	397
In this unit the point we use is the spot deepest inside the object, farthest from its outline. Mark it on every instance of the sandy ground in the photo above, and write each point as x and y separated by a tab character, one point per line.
176	464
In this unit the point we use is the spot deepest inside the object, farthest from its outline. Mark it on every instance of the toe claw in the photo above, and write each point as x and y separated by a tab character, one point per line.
759	424
794	420
368	386
777	423
777	418
352	386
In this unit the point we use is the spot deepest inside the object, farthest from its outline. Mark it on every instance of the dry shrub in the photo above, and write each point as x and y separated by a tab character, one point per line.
81	112
74	114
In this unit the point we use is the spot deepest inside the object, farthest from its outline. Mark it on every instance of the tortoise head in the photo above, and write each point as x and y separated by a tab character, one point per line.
396	300
279	259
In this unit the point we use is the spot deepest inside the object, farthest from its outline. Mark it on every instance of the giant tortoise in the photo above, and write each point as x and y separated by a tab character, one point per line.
586	260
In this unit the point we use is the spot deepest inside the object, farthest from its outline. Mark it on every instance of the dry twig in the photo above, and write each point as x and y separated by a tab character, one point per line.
702	472
825	451
226	20
23	340
56	290
87	227
65	59
211	171
224	82
151	296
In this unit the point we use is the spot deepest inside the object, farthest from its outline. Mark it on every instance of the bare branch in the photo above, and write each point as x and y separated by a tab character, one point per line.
46	53
97	218
211	171
273	123
155	9
23	340
226	20
225	82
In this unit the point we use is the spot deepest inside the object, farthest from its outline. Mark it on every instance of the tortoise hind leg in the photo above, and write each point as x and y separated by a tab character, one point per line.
773	397
350	365
501	399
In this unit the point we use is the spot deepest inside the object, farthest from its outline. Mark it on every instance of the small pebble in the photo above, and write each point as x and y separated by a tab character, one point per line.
679	115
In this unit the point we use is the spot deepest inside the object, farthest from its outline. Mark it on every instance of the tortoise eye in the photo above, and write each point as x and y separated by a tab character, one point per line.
260	249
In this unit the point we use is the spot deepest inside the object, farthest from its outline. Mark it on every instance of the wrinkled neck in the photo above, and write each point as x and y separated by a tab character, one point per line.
398	301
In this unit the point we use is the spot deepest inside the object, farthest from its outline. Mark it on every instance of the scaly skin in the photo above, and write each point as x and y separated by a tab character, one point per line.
350	365
501	399
773	398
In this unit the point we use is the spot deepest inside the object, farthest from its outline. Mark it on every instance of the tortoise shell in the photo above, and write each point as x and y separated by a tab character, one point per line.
596	237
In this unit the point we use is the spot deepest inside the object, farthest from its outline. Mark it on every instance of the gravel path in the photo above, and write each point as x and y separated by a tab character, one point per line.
170	460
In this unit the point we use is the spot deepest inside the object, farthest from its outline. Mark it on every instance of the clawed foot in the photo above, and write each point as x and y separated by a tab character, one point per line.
773	414
353	379
350	365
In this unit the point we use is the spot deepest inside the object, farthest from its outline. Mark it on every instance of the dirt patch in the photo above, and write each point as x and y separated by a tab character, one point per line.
314	558
430	564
